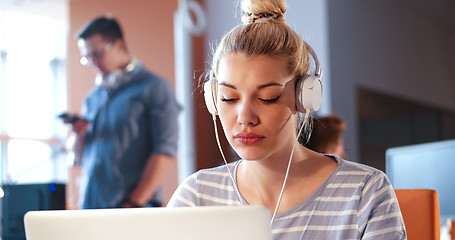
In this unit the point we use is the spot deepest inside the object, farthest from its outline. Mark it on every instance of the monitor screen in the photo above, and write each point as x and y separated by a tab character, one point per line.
20	198
428	165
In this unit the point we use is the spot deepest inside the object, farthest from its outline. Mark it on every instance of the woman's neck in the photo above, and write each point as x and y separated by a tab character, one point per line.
260	182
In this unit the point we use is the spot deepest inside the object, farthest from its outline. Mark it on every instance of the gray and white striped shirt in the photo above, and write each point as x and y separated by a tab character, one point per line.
355	202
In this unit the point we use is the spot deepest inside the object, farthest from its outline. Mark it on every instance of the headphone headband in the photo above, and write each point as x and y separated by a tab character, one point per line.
318	67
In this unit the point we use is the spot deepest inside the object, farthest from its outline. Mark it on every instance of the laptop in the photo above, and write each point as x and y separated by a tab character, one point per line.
201	223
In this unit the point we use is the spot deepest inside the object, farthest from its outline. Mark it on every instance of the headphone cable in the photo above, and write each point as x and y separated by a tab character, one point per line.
305	119
236	190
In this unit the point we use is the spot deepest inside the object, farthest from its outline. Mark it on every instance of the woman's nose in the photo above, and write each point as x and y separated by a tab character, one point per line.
247	114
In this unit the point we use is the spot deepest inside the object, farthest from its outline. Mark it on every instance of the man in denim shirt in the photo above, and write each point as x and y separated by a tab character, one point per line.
126	139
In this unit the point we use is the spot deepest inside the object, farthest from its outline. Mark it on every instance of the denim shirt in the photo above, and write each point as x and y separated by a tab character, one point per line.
128	124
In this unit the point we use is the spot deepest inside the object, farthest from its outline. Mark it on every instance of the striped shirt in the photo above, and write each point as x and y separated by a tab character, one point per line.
355	202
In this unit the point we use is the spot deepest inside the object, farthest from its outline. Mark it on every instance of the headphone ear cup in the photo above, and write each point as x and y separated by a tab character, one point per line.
308	93
210	96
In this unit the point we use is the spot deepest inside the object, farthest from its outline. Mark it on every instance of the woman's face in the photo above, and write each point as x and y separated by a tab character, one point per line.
256	103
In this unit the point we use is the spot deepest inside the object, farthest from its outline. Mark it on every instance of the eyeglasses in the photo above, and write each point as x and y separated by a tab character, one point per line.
95	55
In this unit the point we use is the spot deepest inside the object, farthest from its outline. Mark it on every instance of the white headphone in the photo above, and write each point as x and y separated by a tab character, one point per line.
115	77
308	89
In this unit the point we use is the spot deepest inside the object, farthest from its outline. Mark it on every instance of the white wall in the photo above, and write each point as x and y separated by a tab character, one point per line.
221	17
57	9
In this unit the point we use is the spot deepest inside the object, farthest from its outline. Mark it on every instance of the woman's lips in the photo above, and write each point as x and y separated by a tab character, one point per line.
248	138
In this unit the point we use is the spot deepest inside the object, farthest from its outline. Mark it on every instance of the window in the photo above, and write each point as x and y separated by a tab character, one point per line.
32	94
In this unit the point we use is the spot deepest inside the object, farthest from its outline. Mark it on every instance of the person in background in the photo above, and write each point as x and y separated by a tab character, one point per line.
126	138
326	136
255	87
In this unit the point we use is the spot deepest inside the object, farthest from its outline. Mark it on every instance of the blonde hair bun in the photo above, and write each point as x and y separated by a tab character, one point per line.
263	11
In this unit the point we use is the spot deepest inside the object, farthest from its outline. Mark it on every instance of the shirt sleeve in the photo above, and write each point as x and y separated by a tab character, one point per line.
163	119
186	193
379	213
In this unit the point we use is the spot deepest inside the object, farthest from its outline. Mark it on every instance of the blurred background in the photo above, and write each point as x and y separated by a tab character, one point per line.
388	72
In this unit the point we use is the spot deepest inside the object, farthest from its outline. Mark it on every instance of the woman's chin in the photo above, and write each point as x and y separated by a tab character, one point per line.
250	155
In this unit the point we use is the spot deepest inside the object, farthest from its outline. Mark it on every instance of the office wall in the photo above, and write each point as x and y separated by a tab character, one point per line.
392	47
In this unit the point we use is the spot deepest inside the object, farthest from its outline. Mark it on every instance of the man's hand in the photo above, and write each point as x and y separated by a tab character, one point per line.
78	124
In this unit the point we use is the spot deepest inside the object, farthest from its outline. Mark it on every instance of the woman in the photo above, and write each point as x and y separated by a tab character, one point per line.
253	79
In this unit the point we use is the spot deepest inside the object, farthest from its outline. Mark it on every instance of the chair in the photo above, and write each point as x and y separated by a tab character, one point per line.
420	210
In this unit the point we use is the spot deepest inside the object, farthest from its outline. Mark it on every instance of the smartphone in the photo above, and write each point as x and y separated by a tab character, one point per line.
70	118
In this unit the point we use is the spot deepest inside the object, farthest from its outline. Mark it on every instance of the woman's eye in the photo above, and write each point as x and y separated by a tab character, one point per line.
270	100
228	100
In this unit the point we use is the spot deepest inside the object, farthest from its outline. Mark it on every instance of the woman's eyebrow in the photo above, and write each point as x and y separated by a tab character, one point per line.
269	85
227	85
259	87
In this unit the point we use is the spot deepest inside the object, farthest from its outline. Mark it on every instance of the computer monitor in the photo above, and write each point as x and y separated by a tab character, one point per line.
21	198
427	165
